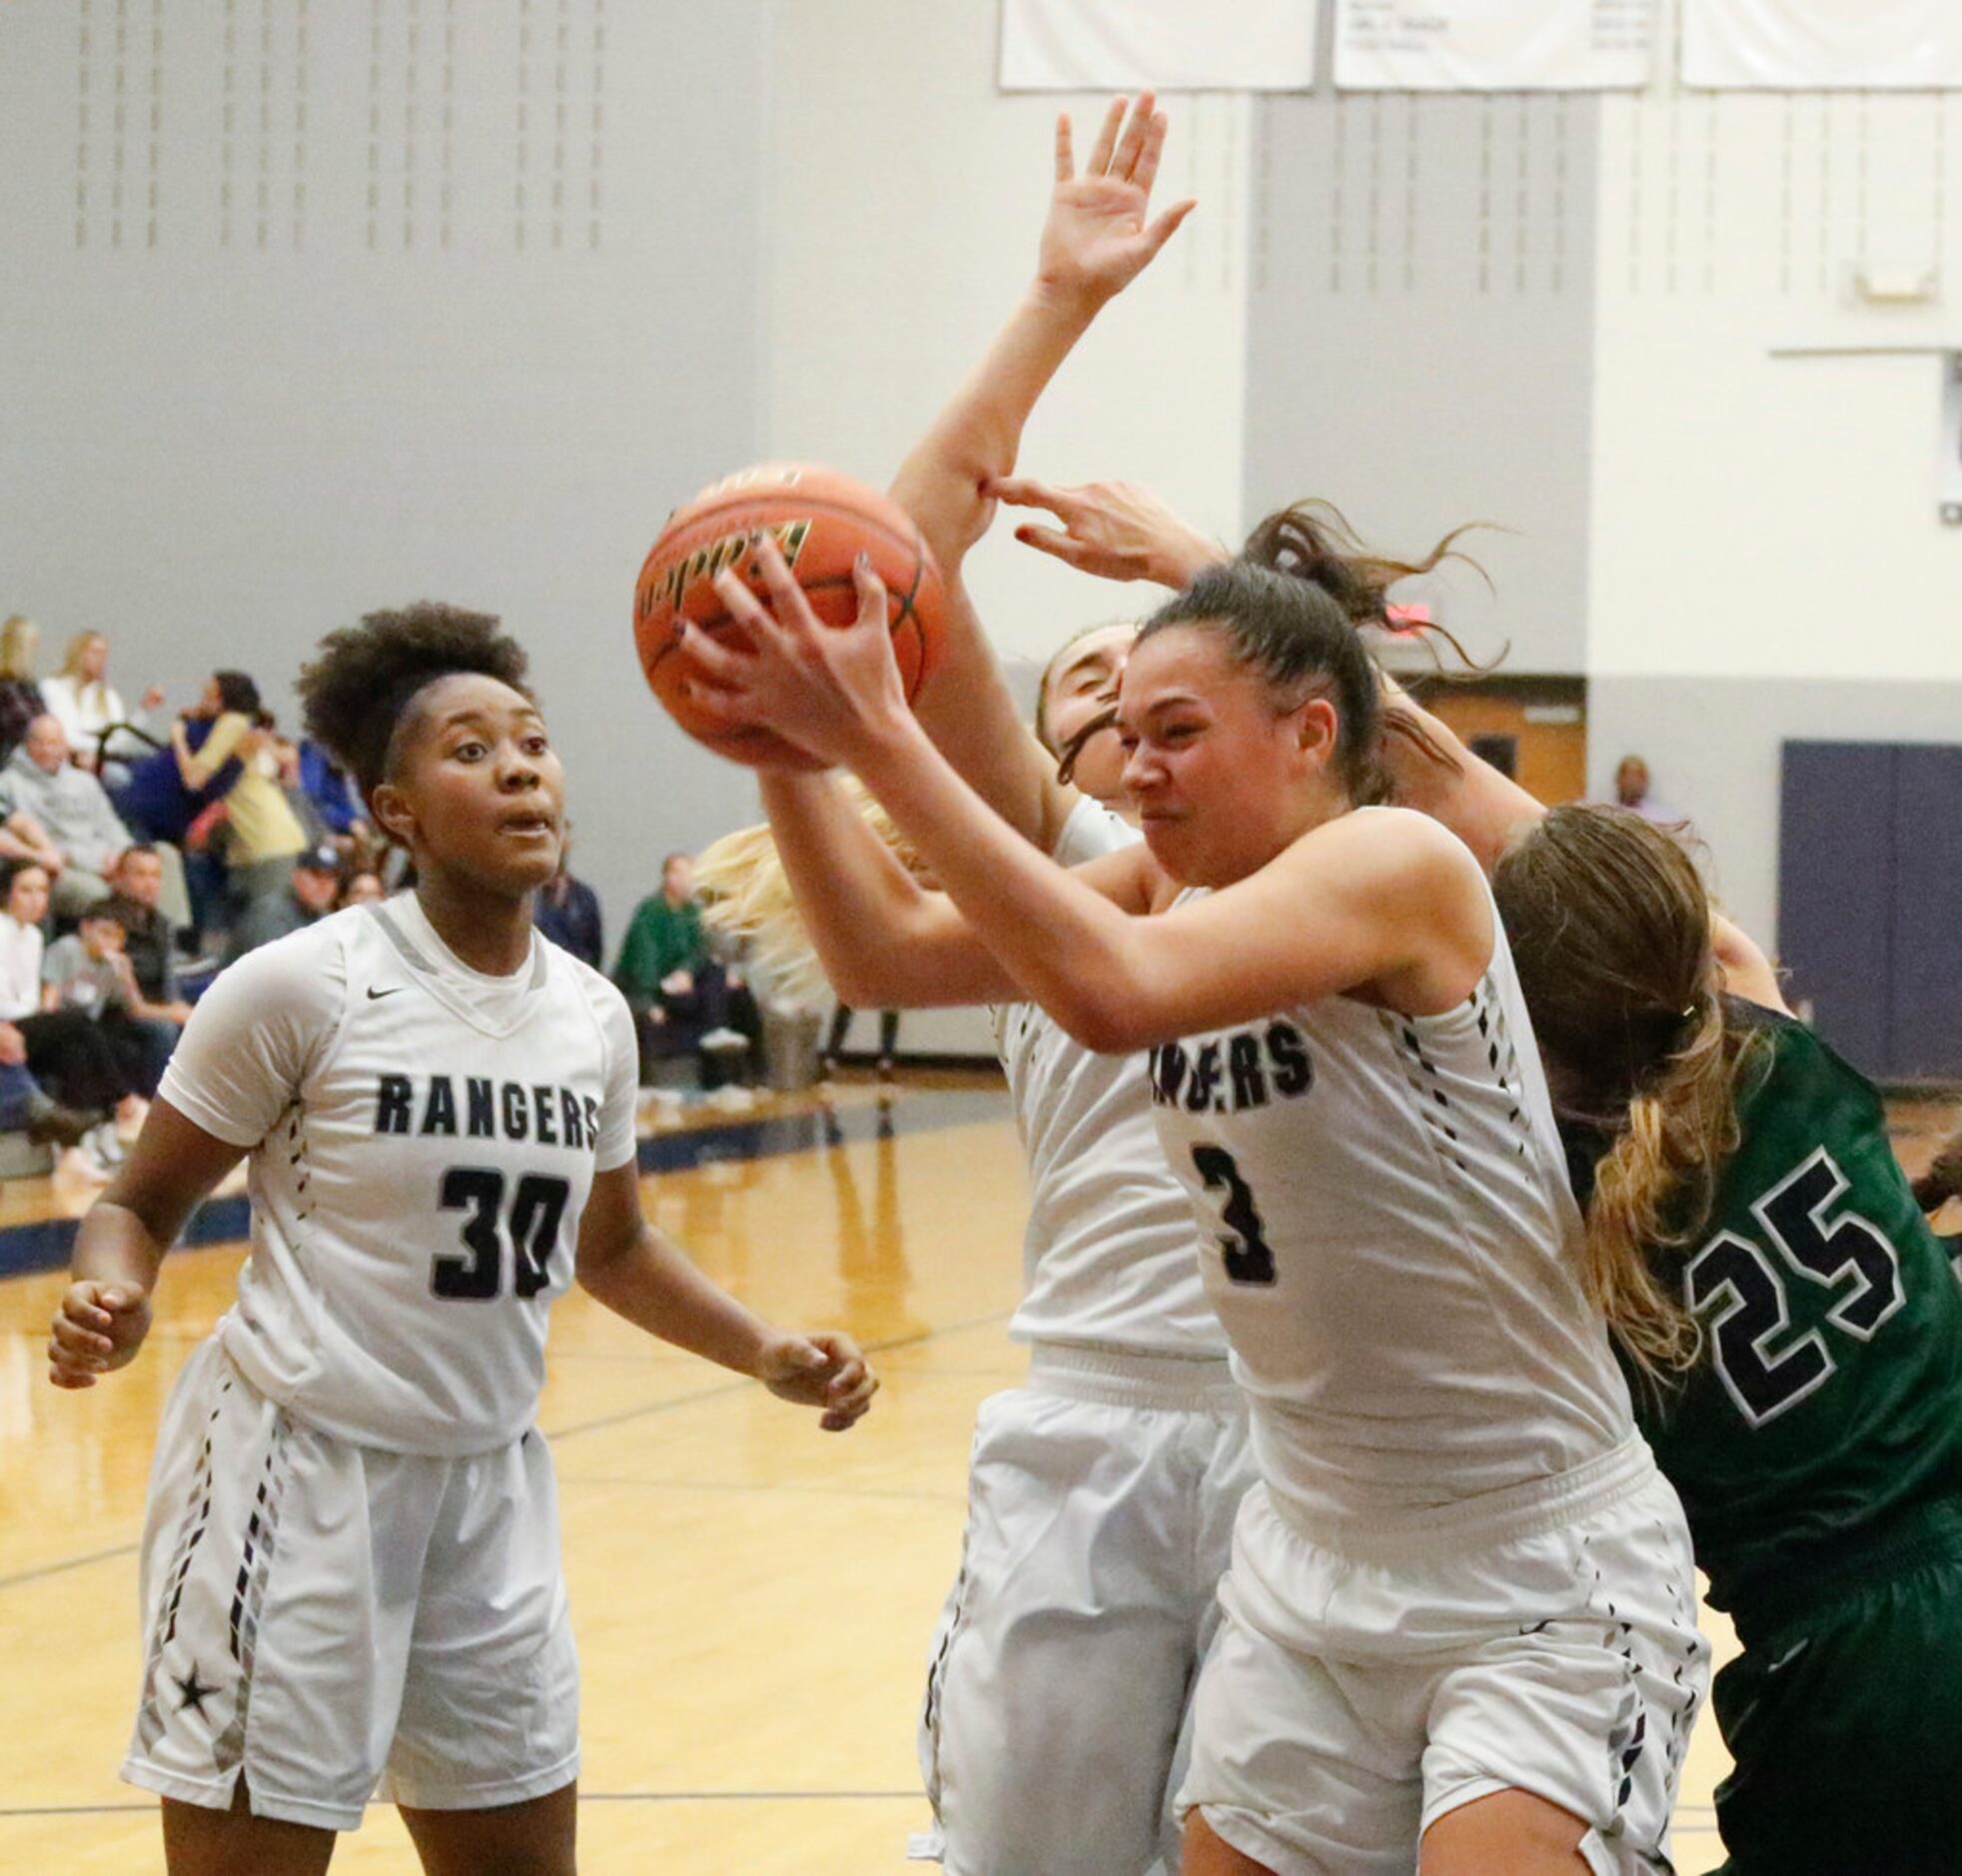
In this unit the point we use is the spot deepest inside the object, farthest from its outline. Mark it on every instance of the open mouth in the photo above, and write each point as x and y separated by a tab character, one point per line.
534	824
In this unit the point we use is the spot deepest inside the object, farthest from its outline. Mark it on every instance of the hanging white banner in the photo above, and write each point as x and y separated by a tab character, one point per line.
1494	45
1822	45
1170	45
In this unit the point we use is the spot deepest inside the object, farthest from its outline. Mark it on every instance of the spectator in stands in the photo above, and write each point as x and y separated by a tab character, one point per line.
1632	792
682	998
27	1107
148	940
90	971
168	789
659	956
264	836
63	812
307	895
20	696
362	887
65	1052
567	911
332	794
83	701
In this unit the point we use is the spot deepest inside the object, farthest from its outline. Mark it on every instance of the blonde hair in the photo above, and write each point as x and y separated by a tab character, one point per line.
1609	925
745	894
20	646
70	659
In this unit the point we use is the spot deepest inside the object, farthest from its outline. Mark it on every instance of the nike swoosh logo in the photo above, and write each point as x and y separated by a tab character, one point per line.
374	995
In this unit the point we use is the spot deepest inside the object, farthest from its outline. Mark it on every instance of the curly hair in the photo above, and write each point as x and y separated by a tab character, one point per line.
355	695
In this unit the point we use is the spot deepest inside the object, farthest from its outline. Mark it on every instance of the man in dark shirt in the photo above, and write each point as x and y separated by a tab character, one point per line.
311	895
137	884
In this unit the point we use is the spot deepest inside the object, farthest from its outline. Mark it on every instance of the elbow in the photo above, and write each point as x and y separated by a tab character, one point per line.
871	983
1108	1020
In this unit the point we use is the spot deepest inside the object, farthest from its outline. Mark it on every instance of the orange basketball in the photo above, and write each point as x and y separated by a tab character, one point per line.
822	520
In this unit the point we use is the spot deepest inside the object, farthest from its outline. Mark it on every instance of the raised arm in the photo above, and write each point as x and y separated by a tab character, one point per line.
1097	238
1431	769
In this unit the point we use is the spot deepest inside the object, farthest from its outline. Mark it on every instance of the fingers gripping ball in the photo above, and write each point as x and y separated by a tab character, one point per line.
822	520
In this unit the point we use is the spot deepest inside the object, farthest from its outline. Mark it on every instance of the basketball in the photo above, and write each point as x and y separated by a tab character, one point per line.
822	520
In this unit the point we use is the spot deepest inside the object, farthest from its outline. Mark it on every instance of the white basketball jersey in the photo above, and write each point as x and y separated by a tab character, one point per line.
1392	1245
423	1141
1109	1254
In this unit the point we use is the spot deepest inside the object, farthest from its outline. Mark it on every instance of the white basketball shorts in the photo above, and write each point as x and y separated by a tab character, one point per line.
318	1616
1352	1700
1101	1500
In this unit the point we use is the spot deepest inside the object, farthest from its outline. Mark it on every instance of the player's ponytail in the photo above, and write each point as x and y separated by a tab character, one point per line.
1654	1188
1610	926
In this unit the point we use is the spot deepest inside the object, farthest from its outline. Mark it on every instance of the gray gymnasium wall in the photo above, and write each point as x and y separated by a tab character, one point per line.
1420	341
1712	746
312	309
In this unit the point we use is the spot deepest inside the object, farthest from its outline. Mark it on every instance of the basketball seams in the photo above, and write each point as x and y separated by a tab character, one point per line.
713	535
906	616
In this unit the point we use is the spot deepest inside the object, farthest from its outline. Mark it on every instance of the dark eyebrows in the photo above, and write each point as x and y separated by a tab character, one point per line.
1177	699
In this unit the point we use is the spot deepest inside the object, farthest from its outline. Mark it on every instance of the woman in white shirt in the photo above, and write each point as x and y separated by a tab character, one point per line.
67	1053
83	701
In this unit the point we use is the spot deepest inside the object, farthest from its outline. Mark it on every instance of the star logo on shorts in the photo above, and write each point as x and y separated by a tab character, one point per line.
194	1692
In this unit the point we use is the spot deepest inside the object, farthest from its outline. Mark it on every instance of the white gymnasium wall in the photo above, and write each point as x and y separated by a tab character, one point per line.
1420	343
905	200
313	308
1755	512
1767	560
906	196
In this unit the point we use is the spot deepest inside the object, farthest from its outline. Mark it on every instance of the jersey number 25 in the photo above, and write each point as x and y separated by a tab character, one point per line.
1745	1298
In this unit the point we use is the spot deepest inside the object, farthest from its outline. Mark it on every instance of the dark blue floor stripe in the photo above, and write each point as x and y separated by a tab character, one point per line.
45	1245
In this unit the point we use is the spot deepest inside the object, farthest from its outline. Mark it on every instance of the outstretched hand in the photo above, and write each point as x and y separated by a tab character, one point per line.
1097	238
1115	530
821	1370
828	689
97	1329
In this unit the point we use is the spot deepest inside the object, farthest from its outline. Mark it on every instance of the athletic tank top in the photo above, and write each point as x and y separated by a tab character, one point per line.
1111	1253
1390	1244
1829	1394
423	1139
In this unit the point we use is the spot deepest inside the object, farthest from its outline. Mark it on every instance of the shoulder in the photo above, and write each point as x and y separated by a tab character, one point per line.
1092	830
603	999
599	993
302	970
1389	851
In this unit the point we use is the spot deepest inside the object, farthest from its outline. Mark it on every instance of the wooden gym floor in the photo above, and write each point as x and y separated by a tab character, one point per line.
754	1600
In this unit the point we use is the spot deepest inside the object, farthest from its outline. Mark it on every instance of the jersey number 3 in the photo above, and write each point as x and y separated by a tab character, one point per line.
1248	1259
538	1210
1746	1294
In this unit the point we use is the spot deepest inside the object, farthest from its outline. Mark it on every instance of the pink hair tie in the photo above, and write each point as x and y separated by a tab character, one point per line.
1406	618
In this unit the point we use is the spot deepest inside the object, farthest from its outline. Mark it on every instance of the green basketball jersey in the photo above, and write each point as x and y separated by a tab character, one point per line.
1829	1392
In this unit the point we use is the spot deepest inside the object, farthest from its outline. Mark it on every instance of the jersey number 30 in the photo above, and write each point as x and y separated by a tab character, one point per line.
538	1210
1746	1294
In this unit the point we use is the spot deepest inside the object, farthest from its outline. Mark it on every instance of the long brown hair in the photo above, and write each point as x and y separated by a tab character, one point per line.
1311	540
1609	925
